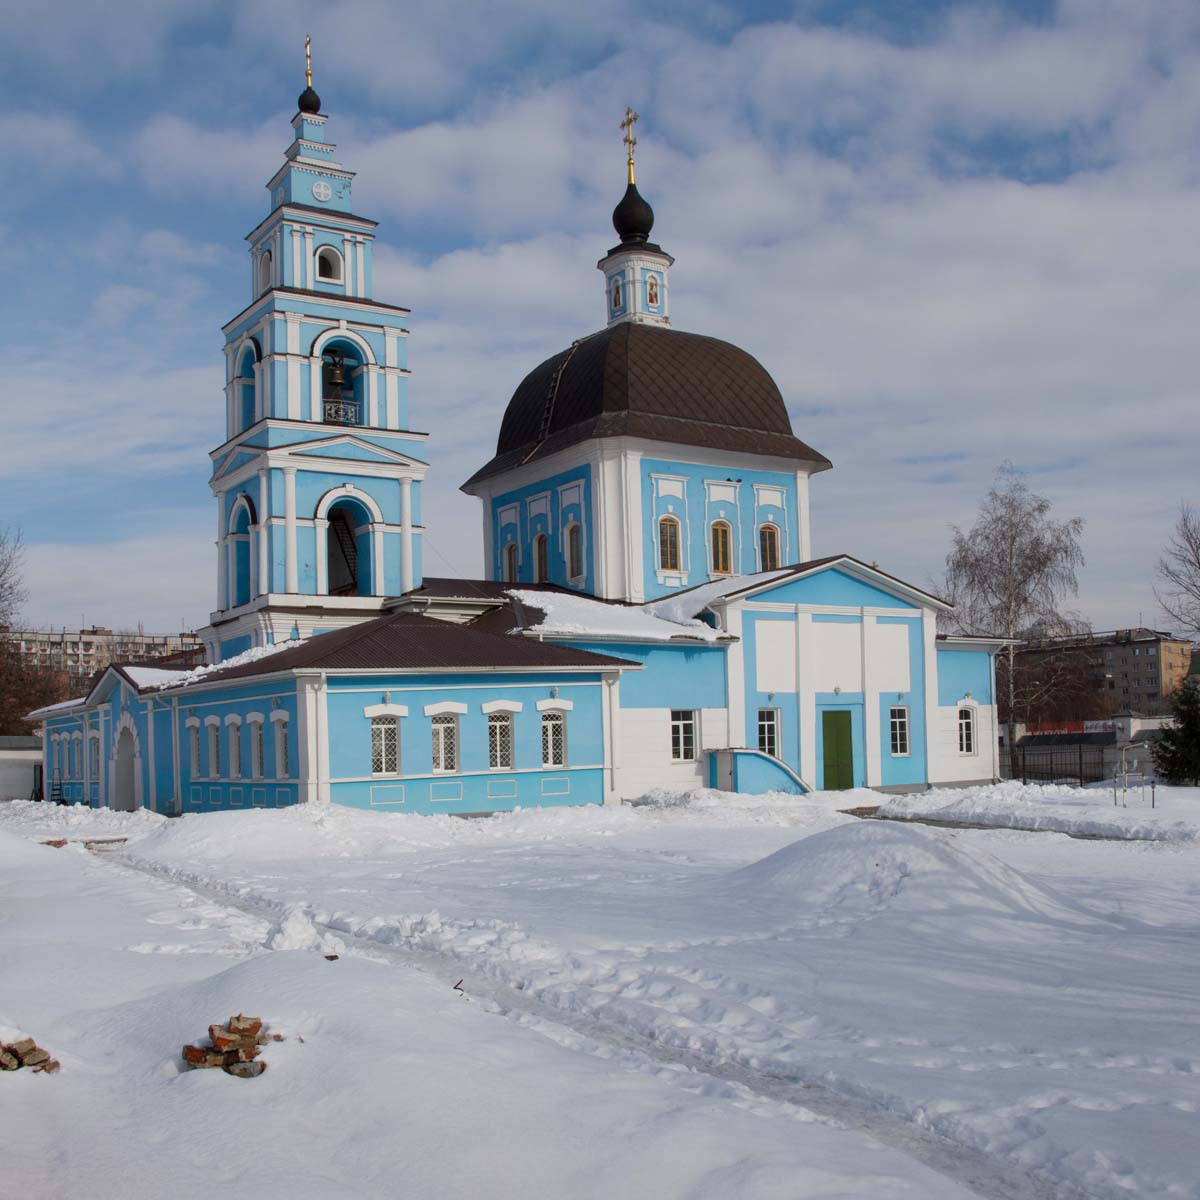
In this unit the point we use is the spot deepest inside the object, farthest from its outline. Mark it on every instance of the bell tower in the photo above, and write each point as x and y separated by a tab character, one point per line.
318	481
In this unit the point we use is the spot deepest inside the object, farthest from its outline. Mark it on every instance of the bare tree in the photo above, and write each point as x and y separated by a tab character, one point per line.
1178	590
12	592
1010	572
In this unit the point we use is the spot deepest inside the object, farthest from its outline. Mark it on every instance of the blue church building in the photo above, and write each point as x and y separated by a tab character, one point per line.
649	614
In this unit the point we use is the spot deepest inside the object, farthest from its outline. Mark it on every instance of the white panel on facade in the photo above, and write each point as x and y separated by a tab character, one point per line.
775	656
723	491
766	495
890	668
570	494
507	515
837	661
714	728
539	506
669	487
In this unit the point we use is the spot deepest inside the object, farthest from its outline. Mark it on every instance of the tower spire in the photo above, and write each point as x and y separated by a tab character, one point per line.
309	101
629	140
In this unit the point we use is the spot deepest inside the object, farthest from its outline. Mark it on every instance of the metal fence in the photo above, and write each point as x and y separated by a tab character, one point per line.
1055	764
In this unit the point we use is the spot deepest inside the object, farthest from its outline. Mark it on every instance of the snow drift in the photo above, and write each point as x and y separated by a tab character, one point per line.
870	866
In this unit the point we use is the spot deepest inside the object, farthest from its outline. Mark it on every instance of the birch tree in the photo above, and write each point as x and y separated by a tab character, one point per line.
1012	571
1178	588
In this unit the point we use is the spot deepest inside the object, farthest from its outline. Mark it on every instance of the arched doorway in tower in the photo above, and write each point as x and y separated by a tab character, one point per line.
349	563
124	797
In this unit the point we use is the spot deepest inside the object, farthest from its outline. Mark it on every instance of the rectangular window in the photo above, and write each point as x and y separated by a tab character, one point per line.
235	750
194	749
445	743
554	739
281	749
500	741
385	746
899	723
966	731
214	752
683	735
668	544
94	749
256	749
722	538
575	551
768	731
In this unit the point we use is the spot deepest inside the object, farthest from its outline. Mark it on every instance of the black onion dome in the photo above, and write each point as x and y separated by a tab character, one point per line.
633	218
309	101
647	381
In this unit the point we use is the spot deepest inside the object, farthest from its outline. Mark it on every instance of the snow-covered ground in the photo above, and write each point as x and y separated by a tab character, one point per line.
702	996
1169	814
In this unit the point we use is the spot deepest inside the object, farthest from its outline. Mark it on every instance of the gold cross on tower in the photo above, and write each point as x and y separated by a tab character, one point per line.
307	60
629	140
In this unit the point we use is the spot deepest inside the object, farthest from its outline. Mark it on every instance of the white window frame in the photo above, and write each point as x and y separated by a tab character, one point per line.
574	534
281	721
712	547
769	724
385	760
257	748
501	725
512	563
554	719
444	727
233	725
213	725
94	756
194	748
969	745
683	729
900	725
773	529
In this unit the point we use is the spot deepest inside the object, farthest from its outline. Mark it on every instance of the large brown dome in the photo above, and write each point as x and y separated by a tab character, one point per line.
651	382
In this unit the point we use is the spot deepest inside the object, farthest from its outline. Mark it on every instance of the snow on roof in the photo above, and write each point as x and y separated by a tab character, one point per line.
581	616
48	709
150	677
687	605
197	674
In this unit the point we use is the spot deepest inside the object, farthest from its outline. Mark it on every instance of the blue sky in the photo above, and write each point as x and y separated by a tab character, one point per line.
955	233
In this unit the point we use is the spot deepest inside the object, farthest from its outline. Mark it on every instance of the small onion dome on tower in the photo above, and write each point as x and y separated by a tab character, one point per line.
633	218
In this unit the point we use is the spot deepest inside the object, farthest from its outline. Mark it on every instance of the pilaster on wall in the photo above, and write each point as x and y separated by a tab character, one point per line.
806	697
871	730
289	515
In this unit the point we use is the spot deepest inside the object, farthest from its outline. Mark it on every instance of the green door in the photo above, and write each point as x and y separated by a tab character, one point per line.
838	751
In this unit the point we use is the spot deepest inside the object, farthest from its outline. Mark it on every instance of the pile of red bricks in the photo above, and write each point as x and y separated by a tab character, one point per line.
27	1053
234	1047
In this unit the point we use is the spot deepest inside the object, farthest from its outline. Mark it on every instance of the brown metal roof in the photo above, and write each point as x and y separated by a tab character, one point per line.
408	642
651	382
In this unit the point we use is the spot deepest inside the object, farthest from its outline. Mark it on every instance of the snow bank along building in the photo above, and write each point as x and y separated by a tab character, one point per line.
651	612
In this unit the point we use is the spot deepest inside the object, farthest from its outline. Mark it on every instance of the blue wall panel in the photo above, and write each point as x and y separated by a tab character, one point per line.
963	671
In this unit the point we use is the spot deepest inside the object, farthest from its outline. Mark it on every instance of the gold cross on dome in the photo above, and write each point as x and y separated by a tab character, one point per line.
629	140
307	60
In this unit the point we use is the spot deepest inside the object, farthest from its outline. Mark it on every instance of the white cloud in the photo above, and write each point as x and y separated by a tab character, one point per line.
56	142
162	581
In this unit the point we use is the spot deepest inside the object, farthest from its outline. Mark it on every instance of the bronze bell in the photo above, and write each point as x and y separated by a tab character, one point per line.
335	374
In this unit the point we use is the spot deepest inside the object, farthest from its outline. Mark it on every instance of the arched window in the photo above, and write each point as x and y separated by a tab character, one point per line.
239	540
541	559
616	292
329	265
768	548
510	562
554	739
652	291
668	544
244	386
722	542
500	741
575	552
966	731
214	751
264	271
